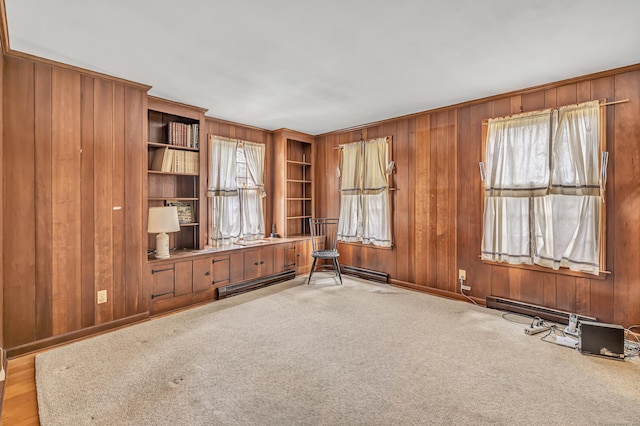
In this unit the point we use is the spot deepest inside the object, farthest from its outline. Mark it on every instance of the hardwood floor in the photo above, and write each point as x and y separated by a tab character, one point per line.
20	403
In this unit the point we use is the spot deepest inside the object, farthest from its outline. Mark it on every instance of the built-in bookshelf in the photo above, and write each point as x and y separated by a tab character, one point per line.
294	183
173	168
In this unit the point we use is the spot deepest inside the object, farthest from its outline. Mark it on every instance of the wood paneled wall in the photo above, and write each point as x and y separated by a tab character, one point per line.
1	203
438	203
251	134
73	196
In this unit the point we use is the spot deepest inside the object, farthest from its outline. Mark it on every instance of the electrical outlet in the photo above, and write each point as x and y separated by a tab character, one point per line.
462	274
102	296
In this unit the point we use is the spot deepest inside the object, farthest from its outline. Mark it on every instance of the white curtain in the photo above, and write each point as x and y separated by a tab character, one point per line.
224	202
506	232
517	168
349	223
376	228
567	230
567	221
252	211
364	193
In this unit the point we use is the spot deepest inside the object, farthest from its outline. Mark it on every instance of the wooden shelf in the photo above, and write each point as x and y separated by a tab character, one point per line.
301	163
173	198
294	186
166	145
172	174
162	117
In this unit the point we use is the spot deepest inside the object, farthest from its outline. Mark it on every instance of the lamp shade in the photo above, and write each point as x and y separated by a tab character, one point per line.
163	219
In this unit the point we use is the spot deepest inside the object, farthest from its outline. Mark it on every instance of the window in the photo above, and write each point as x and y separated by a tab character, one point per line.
544	189
364	193
235	191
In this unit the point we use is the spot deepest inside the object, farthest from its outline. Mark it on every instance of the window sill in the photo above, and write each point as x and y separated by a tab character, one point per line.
365	245
562	271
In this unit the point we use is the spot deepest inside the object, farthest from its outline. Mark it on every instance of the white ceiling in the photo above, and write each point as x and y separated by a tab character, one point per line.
318	66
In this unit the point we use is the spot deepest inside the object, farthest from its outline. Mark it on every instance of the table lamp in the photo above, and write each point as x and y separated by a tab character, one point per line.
161	221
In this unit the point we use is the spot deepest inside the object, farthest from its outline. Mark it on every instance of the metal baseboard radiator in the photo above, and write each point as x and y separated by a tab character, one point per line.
554	315
368	274
234	289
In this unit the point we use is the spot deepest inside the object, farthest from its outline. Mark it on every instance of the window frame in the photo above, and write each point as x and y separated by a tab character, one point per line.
208	212
391	189
603	271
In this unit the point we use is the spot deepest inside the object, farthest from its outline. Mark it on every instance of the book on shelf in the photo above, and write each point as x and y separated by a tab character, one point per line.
182	134
185	209
162	159
174	161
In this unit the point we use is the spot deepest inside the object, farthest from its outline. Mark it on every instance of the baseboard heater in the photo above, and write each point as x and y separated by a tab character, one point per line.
368	274
554	315
234	289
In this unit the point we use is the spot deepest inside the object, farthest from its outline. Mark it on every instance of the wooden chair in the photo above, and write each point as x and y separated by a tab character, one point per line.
325	243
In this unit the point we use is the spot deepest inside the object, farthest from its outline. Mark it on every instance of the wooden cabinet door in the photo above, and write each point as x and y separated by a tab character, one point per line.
284	257
184	278
236	267
251	264
258	262
162	281
220	266
303	256
202	274
267	255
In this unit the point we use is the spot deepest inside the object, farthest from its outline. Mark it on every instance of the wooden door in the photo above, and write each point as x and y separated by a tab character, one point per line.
284	257
220	265
162	282
202	274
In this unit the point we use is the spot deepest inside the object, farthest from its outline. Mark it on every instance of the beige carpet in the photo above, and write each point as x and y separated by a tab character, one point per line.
357	354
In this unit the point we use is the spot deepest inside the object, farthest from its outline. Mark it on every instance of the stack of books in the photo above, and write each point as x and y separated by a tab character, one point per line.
175	161
181	134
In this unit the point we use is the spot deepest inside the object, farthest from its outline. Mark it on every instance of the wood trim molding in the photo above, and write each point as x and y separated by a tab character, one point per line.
435	291
3	361
4	28
178	106
34	58
520	92
215	120
294	134
67	337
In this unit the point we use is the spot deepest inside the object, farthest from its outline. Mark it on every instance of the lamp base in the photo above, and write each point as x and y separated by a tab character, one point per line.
162	246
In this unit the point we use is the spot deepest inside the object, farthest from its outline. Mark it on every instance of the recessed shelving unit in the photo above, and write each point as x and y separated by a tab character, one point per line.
174	165
294	183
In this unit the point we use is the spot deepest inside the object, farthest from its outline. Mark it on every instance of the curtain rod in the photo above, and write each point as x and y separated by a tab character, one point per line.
236	140
621	101
388	138
545	111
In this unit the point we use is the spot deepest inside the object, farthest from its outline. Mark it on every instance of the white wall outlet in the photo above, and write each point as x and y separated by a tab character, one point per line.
102	296
462	274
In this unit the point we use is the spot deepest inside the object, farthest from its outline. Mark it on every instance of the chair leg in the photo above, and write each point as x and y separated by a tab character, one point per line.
313	265
337	265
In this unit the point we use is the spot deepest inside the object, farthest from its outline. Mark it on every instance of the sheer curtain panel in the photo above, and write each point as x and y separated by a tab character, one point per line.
517	168
224	201
376	228
350	225
252	211
567	221
544	189
364	193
